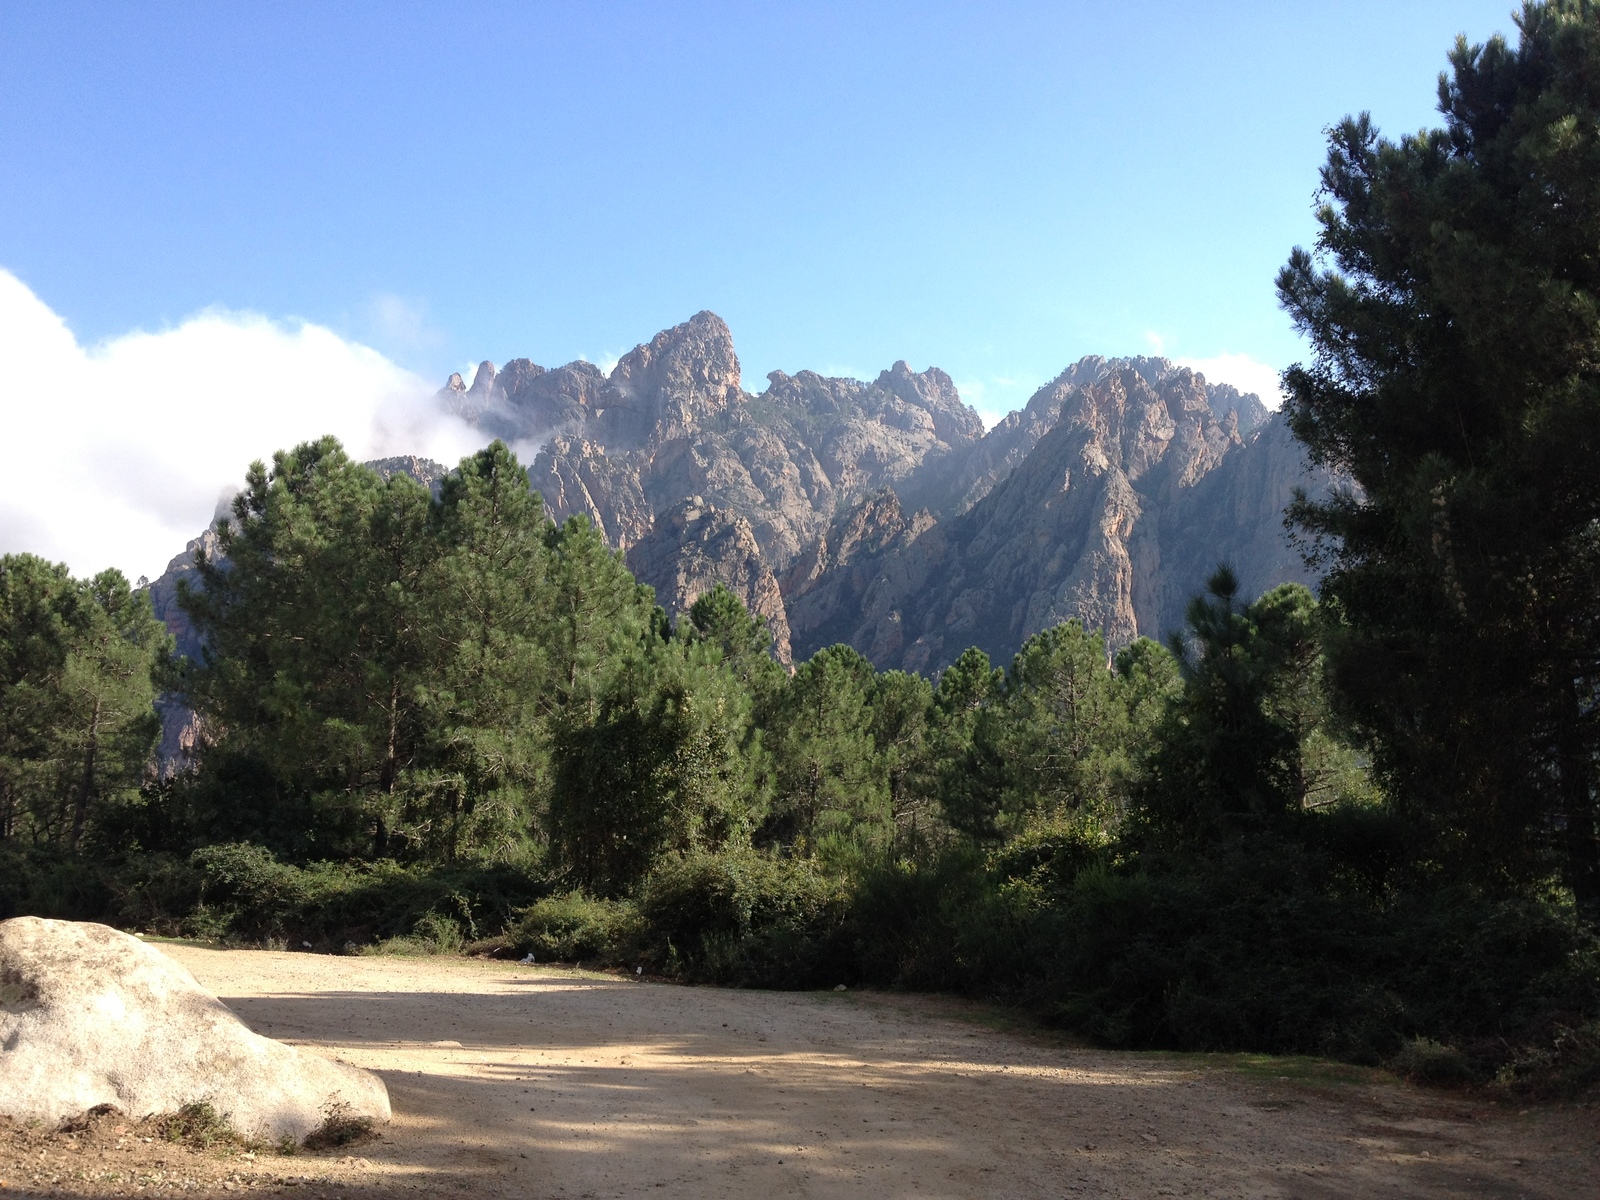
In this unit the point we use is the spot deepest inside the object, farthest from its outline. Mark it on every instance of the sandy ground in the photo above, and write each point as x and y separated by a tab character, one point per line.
517	1081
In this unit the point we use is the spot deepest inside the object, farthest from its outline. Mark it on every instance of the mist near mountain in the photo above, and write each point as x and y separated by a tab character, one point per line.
118	451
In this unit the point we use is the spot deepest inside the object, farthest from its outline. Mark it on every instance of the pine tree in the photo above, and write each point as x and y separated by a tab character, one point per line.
314	627
831	788
1228	755
77	697
1453	303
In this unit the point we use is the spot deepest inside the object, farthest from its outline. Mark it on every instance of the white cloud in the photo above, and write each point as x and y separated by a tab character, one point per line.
401	324
115	455
1242	371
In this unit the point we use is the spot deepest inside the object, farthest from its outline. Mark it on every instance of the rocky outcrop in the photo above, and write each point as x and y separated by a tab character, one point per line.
950	485
1234	515
1115	517
890	518
672	421
848	572
181	731
694	547
675	385
90	1016
1246	407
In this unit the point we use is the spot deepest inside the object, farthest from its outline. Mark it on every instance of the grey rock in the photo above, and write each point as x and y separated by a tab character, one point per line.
1115	517
692	548
92	1016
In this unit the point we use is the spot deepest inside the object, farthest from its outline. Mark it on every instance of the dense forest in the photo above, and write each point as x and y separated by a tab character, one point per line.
1363	822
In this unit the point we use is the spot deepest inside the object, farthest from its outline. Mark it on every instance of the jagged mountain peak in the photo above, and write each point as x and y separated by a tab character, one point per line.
1158	373
892	519
483	379
677	380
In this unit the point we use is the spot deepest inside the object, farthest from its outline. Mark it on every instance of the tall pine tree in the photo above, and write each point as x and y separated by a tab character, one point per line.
1453	303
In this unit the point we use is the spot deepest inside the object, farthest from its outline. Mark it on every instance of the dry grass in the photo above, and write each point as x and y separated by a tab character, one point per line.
193	1152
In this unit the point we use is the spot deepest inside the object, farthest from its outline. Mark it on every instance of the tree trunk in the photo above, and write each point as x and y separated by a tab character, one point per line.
80	812
390	770
1578	803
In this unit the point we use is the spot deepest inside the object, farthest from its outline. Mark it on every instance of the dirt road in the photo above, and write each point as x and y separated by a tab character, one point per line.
514	1081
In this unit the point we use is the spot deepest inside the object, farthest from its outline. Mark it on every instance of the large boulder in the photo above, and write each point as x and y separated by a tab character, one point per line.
91	1016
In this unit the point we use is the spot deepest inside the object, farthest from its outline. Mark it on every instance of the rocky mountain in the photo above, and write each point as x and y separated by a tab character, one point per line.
1116	516
883	515
180	728
698	480
672	421
692	547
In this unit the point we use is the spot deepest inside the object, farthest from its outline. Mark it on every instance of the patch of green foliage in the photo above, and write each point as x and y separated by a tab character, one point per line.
572	928
198	1125
744	918
340	1127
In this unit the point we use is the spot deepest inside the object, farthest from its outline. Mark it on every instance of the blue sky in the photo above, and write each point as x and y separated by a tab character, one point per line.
993	188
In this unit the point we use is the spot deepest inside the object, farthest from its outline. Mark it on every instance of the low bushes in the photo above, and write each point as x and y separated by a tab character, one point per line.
245	893
747	919
1258	944
572	927
238	892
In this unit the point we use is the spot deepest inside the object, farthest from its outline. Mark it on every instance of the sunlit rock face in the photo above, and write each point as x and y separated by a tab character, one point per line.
885	513
672	421
692	548
1112	509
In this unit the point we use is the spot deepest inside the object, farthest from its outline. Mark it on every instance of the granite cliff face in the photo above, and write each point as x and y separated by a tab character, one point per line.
672	422
693	547
881	513
1116	516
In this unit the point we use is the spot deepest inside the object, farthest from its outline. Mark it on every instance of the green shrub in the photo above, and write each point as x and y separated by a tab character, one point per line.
340	1127
247	894
573	927
1257	946
1564	1063
1049	855
1423	1060
745	918
432	933
50	881
941	922
197	1125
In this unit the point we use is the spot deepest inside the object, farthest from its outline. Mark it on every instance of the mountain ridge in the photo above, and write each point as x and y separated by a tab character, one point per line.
881	512
986	540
